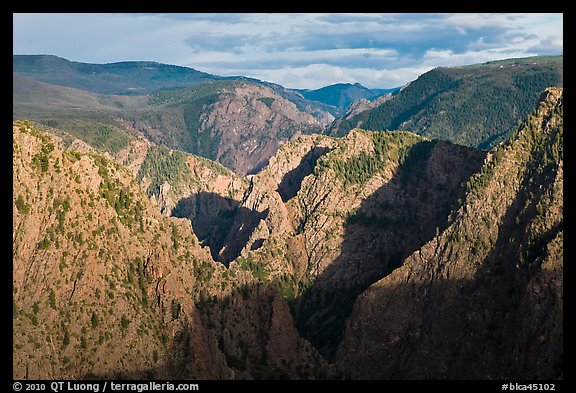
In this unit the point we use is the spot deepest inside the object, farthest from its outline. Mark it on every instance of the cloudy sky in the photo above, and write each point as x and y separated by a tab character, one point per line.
294	50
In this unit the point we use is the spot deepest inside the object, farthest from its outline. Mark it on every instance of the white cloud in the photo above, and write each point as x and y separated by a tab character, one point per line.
477	21
318	75
552	45
296	50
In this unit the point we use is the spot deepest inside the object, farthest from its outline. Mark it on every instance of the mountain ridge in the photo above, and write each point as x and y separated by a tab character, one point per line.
475	105
342	95
121	78
463	275
375	254
196	119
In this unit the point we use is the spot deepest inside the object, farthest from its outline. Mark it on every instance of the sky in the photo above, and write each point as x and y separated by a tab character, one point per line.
294	50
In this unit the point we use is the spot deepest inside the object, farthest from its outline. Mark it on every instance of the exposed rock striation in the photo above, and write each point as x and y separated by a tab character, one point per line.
483	299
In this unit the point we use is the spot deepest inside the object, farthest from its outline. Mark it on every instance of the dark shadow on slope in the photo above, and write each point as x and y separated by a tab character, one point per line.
505	323
219	223
389	225
522	328
439	329
239	233
251	332
258	167
246	333
292	180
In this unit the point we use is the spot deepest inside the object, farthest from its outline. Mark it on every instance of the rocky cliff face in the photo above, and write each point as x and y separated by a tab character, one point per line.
106	286
482	299
310	221
249	122
239	124
391	255
89	256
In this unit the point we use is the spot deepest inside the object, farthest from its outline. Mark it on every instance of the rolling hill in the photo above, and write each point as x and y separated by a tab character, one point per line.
476	105
124	78
342	95
238	122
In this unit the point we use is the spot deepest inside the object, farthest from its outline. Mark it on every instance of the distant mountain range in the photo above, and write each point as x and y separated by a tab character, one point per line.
476	105
342	95
145	77
124	78
178	107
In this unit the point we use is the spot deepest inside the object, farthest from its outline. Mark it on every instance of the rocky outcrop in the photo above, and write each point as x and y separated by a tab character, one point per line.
88	252
483	299
105	286
356	234
249	122
324	220
391	255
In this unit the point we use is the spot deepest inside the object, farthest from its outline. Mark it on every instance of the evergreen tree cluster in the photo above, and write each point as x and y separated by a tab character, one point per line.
475	106
161	165
388	146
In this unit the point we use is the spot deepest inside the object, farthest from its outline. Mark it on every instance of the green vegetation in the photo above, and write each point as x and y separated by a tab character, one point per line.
215	166
83	342
234	362
66	339
175	237
52	299
44	244
267	101
72	155
61	207
287	286
162	164
33	319
204	271
41	160
23	208
256	268
480	180
97	133
124	323
475	105
175	309
360	217
94	320
388	146
29	127
119	197
143	280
